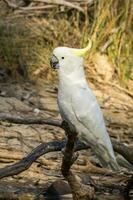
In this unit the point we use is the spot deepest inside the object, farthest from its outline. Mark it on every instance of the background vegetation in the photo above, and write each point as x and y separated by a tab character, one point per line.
29	30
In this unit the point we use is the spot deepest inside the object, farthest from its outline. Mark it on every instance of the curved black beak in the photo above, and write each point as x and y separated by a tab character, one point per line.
54	62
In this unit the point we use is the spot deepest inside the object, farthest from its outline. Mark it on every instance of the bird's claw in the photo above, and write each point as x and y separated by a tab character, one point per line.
75	156
63	150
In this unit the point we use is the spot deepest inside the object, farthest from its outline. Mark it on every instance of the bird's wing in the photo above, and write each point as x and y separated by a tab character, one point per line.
89	114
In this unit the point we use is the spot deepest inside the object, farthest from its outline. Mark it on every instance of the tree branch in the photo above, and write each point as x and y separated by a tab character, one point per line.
23	120
120	148
124	150
26	162
79	191
40	150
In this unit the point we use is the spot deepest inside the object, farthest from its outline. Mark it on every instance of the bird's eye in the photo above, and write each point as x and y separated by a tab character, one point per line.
62	58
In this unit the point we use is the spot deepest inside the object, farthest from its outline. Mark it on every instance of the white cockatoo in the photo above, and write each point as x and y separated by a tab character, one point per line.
78	105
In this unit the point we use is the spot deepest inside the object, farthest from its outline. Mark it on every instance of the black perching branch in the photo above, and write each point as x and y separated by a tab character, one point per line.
79	191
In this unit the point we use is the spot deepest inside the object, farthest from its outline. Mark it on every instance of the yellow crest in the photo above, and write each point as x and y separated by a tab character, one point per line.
82	52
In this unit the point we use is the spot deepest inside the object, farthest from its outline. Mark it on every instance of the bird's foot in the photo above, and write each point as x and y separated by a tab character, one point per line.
75	156
63	150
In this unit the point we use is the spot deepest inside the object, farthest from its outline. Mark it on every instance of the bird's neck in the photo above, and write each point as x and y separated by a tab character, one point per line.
75	76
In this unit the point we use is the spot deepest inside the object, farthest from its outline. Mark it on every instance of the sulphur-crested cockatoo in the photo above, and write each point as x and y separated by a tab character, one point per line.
78	105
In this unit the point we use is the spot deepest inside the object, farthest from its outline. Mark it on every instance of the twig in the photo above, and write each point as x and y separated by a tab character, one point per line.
10	4
121	88
52	2
32	8
62	3
118	87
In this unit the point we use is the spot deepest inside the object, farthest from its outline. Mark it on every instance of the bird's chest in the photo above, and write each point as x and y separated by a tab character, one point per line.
65	103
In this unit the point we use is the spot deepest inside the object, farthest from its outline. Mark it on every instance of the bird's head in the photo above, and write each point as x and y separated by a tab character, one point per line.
67	58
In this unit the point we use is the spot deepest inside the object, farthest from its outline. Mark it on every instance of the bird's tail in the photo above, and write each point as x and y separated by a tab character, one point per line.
106	159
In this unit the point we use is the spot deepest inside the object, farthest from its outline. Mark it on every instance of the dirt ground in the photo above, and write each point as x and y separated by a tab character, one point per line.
16	141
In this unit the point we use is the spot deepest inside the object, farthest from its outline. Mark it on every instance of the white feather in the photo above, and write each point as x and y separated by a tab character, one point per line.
79	107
